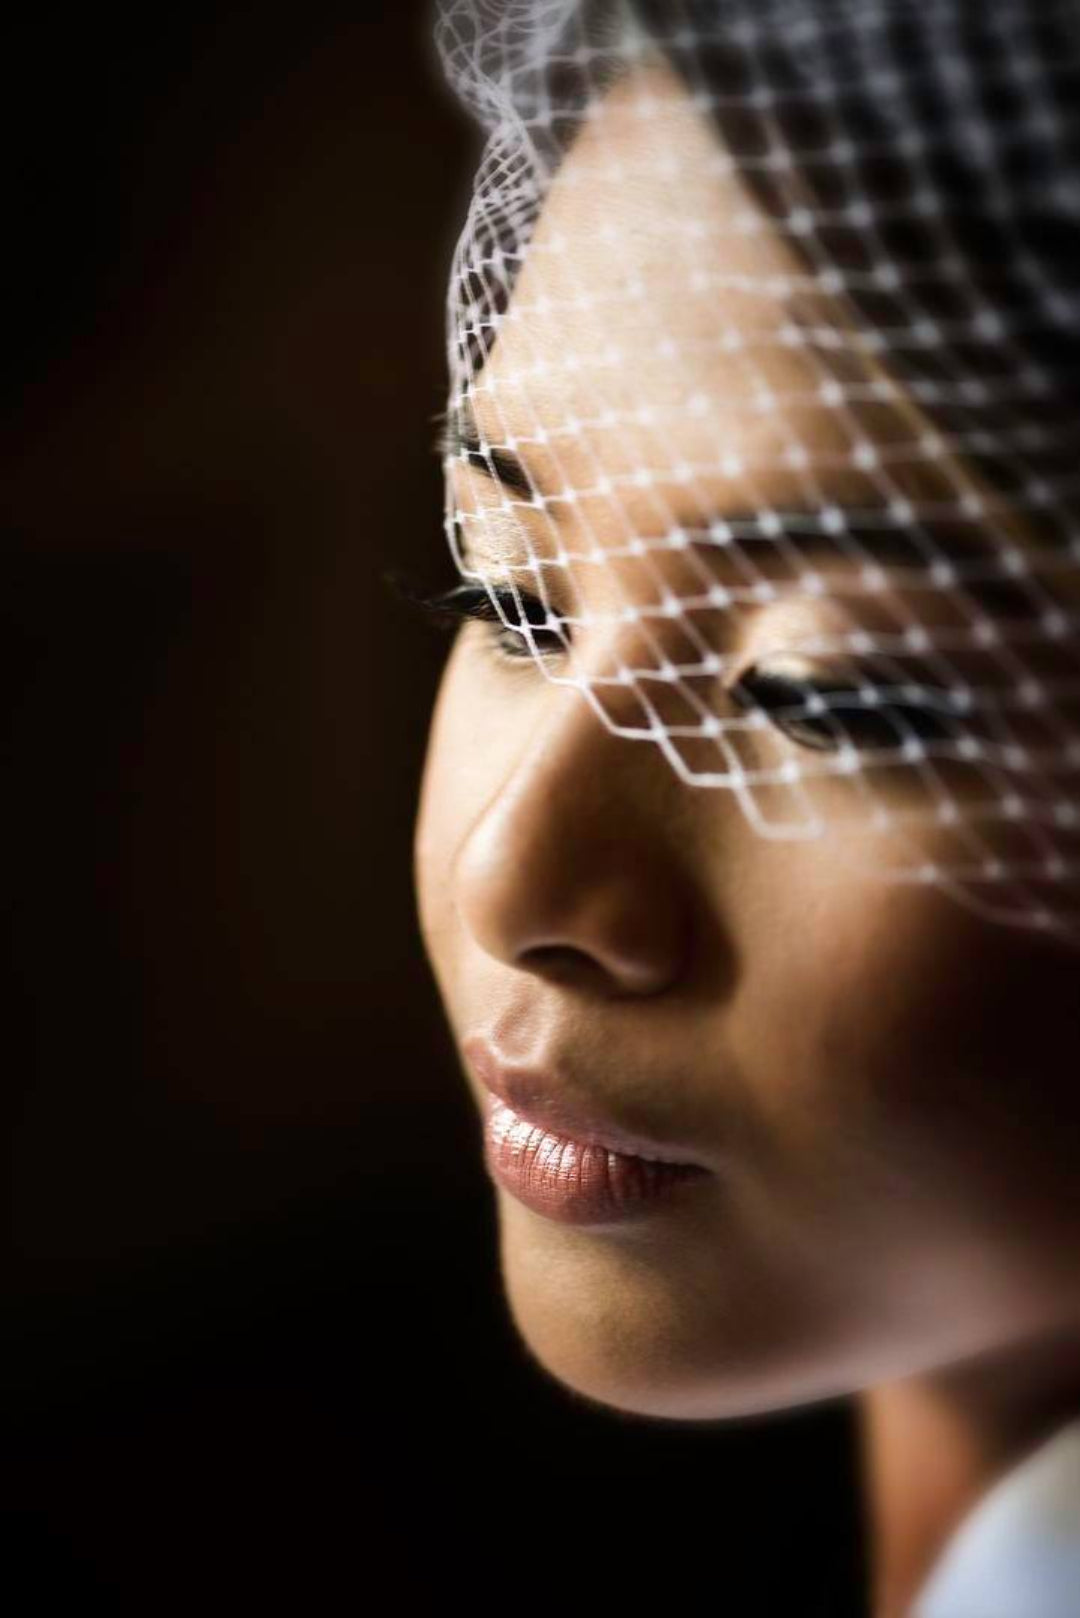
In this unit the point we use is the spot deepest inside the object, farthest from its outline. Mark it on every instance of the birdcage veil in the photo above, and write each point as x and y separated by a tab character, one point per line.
868	435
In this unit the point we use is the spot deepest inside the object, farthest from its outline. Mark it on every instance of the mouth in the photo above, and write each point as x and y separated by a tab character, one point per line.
571	1167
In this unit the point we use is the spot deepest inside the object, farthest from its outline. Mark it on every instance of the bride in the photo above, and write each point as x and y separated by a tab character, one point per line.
746	855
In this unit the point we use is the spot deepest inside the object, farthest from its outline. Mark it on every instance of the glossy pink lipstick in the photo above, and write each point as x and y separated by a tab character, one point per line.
571	1181
561	1162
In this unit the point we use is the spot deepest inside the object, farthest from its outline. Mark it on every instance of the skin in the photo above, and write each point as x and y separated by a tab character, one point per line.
882	1081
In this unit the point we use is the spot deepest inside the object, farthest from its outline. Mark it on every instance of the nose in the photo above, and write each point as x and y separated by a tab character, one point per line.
571	871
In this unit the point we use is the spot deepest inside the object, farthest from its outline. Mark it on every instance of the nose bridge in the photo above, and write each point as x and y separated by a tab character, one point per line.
559	795
569	865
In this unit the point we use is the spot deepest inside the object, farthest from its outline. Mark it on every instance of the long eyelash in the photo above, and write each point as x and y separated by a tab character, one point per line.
448	608
451	606
445	607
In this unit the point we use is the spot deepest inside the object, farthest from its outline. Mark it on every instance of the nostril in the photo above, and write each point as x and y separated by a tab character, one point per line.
562	963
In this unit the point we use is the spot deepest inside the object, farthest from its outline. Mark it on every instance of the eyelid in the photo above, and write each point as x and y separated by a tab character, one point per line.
780	665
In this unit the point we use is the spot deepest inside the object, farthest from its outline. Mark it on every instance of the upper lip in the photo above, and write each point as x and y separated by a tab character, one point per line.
534	1095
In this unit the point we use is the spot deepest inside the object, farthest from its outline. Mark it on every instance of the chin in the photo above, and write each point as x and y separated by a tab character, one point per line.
617	1328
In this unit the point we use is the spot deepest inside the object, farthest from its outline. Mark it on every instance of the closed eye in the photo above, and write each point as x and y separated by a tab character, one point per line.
816	712
827	715
522	626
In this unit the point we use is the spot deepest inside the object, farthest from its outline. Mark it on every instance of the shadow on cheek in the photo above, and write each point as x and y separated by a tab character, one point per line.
981	1051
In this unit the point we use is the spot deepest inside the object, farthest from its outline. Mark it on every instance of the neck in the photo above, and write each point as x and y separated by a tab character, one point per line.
932	1446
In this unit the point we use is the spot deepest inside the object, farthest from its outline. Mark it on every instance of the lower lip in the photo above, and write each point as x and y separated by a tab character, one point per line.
573	1182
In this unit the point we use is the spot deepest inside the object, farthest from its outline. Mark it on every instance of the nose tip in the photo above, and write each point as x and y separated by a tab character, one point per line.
569	876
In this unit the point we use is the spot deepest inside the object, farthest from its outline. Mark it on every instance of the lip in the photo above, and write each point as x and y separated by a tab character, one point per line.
569	1166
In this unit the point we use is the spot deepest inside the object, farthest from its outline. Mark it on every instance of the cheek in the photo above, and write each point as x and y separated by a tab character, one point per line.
894	1037
819	959
851	983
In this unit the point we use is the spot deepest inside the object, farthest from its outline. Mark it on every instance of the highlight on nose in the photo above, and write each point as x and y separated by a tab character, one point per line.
556	879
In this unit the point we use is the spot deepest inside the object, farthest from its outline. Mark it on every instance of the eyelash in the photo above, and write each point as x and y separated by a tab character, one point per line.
467	601
823	715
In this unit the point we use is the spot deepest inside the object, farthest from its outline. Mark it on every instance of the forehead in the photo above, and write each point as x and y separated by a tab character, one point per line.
661	321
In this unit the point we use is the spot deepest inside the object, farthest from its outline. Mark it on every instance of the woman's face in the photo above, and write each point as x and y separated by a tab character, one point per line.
880	1084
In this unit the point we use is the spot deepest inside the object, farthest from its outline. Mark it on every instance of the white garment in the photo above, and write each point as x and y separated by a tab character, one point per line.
1017	1553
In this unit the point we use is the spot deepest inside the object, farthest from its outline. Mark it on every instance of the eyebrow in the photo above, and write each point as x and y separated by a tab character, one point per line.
460	435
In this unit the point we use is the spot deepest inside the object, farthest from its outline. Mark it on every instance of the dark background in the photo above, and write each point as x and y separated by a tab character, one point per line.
259	1348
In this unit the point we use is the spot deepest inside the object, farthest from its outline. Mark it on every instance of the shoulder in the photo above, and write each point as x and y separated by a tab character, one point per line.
1017	1554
